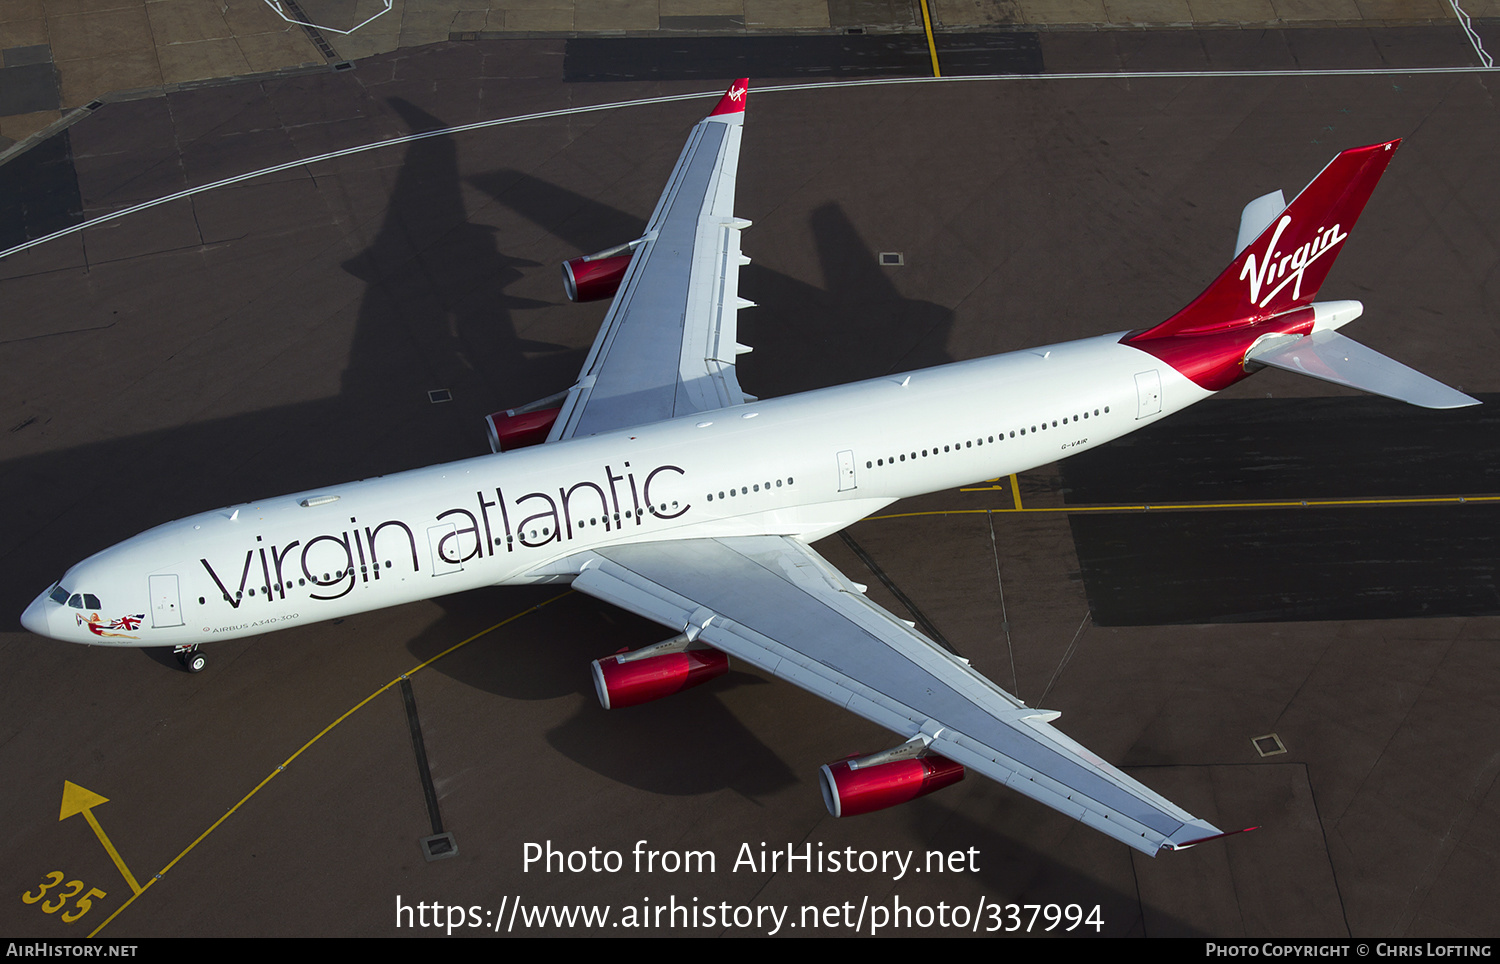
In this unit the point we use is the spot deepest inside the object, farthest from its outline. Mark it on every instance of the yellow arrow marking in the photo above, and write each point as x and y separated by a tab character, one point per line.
78	800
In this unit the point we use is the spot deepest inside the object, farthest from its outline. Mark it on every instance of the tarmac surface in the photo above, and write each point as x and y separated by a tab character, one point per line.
284	331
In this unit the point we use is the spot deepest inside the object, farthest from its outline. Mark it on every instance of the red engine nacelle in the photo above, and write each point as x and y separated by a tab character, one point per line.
510	429
848	792
643	680
594	277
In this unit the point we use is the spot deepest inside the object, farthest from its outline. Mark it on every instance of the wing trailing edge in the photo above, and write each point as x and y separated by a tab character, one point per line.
776	604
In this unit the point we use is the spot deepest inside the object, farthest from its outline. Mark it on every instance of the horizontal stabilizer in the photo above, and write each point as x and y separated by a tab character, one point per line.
1257	216
1331	357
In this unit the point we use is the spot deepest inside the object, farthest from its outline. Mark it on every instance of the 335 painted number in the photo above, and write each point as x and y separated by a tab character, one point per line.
61	898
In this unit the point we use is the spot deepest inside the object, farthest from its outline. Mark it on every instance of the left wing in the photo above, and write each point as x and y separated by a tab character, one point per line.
667	346
777	604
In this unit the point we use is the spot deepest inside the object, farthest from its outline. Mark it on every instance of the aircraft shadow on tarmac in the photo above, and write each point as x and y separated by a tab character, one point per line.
436	300
800	333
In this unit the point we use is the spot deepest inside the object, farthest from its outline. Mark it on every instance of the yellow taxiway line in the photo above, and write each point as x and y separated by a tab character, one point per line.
325	731
931	43
1193	506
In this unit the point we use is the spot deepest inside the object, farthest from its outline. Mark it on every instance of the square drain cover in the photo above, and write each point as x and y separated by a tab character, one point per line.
439	846
1268	745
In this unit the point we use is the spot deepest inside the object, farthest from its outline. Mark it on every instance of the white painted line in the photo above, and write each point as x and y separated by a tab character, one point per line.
376	145
1473	35
639	102
276	6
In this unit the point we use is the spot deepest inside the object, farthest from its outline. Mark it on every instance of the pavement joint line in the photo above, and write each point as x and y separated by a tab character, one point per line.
779	88
322	733
68	119
74	115
419	747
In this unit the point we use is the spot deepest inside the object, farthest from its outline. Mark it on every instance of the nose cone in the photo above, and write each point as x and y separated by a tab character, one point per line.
35	616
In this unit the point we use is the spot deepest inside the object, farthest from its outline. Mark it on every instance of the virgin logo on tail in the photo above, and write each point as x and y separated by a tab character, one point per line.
1273	266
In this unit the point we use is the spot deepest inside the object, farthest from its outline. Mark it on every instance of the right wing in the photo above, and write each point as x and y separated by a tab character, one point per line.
667	346
775	603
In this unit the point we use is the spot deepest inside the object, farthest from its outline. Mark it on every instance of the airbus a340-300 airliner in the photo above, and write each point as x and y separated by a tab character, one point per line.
656	484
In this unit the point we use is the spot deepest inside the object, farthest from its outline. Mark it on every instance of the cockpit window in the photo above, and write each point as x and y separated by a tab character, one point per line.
58	594
84	600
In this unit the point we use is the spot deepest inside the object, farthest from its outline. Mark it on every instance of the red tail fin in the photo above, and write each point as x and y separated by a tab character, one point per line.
1284	267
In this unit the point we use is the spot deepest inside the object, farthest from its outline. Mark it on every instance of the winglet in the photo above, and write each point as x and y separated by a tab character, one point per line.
1218	836
733	101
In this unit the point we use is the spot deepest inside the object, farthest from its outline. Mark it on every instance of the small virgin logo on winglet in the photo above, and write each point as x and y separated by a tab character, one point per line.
734	99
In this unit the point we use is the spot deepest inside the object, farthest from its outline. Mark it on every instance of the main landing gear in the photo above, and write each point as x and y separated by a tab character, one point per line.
191	659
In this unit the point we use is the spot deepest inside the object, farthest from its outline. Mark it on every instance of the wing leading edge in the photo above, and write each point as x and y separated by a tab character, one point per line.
776	604
667	346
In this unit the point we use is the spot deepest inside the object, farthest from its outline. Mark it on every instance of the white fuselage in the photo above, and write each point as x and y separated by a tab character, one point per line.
804	465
